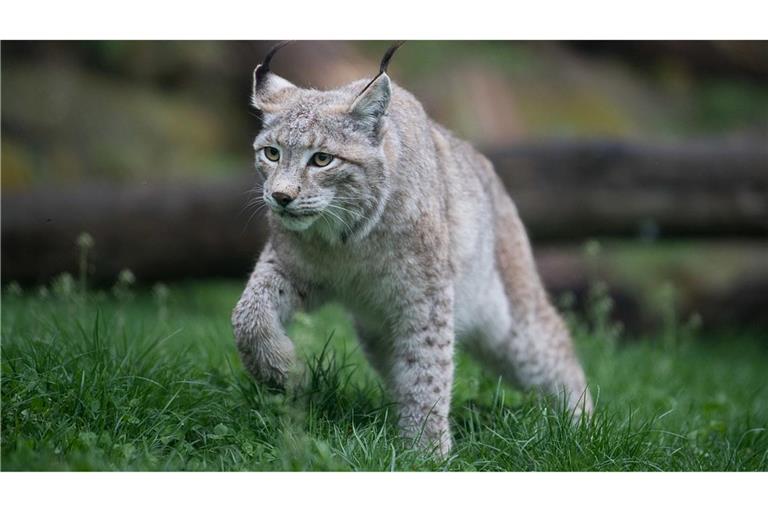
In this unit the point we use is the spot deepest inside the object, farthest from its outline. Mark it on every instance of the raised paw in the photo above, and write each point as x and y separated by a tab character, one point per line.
268	361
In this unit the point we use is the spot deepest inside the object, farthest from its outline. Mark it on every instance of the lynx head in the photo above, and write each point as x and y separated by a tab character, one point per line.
320	152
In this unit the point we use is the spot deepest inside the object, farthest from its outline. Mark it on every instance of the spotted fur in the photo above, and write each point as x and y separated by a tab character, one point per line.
413	232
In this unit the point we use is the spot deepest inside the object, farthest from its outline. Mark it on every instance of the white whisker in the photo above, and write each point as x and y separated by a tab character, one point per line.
340	219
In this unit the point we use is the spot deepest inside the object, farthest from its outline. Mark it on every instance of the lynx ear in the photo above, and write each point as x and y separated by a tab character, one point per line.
265	83
371	104
267	86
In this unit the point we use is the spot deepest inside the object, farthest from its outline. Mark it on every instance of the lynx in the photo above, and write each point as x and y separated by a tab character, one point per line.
375	206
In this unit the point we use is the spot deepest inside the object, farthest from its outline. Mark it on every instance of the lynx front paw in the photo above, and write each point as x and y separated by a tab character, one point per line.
430	433
438	443
268	361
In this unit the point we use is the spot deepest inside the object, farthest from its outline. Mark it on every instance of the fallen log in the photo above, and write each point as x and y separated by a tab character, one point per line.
574	190
564	190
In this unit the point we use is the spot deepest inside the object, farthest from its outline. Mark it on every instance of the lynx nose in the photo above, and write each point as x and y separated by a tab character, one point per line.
281	198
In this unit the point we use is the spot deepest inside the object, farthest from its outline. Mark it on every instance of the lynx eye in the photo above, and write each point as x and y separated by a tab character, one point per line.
321	159
272	154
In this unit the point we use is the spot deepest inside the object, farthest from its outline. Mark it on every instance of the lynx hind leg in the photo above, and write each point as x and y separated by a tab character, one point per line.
546	359
537	351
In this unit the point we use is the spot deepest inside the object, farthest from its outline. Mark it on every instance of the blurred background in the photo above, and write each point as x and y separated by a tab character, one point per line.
640	168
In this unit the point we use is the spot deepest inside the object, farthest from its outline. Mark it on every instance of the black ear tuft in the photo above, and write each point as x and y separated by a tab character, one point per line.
384	63
265	83
263	68
371	104
388	56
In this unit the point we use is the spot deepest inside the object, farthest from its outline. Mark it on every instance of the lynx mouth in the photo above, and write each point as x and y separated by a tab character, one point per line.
298	215
297	221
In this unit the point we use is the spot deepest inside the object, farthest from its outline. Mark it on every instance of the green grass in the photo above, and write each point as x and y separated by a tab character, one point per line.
152	381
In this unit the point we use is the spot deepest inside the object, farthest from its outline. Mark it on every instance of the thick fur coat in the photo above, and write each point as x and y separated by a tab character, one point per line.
374	205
